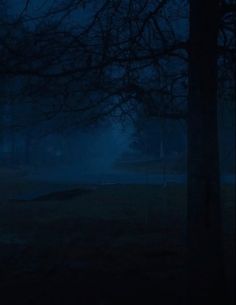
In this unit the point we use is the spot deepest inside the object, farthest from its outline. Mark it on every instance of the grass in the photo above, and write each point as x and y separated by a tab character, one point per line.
117	244
153	166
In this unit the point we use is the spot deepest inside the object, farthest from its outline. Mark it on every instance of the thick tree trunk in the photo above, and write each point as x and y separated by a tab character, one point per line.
205	257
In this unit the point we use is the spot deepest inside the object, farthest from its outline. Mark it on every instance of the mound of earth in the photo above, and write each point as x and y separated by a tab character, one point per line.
58	195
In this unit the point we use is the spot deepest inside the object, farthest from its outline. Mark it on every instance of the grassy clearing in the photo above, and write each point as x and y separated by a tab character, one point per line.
116	244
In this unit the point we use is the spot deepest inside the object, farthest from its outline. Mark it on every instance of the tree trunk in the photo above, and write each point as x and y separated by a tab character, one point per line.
13	152
27	148
205	256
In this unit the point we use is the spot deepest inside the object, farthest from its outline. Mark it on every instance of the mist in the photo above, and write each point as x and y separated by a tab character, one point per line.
117	152
85	156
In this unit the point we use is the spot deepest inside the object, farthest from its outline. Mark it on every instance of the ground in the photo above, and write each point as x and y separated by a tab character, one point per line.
99	244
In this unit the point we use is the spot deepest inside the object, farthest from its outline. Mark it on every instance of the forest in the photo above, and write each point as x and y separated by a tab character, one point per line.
117	152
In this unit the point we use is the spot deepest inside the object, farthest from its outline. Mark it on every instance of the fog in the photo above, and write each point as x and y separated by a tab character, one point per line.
117	152
85	156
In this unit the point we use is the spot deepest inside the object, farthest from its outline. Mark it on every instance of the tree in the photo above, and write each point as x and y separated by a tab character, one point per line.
204	205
